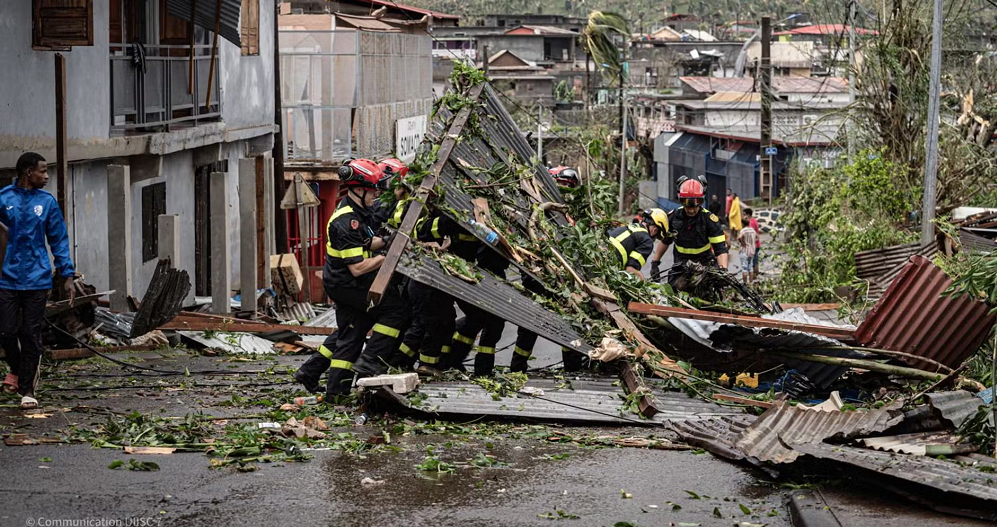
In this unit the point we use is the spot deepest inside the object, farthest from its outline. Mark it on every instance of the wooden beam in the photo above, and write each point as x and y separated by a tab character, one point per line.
846	335
401	239
61	157
185	322
742	400
214	52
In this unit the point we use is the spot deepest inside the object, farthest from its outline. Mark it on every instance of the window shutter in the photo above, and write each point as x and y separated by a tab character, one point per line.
62	23
249	32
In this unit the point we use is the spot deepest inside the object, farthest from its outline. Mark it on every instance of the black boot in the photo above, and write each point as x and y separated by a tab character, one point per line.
311	371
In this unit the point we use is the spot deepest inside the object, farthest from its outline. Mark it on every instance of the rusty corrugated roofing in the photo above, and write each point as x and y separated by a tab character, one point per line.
875	263
914	317
774	435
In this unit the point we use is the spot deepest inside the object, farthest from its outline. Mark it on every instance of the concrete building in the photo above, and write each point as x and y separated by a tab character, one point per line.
377	8
146	135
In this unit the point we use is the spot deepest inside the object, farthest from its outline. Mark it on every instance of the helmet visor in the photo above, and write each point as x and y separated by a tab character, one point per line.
691	202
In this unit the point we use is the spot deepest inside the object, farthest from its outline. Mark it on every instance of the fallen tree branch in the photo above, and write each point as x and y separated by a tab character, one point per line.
903	371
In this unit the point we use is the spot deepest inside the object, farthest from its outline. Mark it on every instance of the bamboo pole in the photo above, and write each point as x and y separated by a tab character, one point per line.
190	66
879	367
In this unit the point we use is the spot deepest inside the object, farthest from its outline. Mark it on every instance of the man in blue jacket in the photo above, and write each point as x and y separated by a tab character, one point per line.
30	216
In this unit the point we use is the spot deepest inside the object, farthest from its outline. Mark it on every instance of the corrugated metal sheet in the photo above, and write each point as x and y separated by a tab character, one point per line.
230	14
878	285
495	297
780	84
300	312
954	407
727	338
941	485
972	242
914	317
326	320
235	343
776	433
117	325
591	401
875	263
717	435
921	444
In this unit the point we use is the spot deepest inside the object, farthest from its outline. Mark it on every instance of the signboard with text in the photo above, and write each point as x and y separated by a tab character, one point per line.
408	135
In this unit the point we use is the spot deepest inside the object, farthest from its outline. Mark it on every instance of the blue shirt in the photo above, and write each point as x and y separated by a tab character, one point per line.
32	216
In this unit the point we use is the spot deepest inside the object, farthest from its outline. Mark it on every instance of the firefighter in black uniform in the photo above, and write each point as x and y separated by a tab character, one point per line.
309	374
526	340
350	268
695	231
633	243
475	320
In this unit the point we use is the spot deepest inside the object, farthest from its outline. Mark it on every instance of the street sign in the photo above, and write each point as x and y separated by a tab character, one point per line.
771	151
408	135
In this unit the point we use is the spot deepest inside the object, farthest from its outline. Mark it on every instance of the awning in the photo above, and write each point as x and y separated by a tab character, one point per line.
204	15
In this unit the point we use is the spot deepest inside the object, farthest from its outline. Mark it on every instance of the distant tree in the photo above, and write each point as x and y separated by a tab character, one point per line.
599	38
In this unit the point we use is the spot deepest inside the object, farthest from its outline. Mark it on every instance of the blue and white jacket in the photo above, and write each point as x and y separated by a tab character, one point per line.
32	217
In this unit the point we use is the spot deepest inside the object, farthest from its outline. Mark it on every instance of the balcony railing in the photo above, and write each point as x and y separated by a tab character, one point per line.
151	87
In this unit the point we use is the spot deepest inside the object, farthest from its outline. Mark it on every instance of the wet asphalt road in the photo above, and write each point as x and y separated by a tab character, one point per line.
327	490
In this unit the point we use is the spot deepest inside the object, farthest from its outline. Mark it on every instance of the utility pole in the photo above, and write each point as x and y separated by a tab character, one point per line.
850	128
623	121
540	132
484	61
766	132
931	144
279	221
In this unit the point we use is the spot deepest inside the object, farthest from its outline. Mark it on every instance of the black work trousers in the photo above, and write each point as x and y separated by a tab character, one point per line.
433	320
21	317
474	321
310	372
386	322
525	341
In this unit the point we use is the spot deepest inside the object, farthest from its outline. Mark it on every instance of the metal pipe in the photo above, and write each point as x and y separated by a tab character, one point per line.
931	144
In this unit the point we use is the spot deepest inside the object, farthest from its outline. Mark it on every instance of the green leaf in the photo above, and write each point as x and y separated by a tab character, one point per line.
45	460
716	512
692	495
744	509
117	463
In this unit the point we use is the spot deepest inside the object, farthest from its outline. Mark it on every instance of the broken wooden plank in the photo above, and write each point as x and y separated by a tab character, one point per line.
633	334
742	400
185	322
401	240
61	306
842	334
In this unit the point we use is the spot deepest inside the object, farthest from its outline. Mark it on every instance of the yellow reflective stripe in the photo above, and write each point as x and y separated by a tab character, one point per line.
636	256
718	239
339	212
487	350
466	237
700	250
386	330
346	253
619	247
521	351
396	219
406	350
436	228
326	352
425	359
445	349
633	227
341	364
461	338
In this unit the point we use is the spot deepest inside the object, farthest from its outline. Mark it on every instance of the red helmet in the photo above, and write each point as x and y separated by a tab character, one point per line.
361	173
392	166
691	188
565	176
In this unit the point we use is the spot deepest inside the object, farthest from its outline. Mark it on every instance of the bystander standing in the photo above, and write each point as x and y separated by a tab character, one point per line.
29	216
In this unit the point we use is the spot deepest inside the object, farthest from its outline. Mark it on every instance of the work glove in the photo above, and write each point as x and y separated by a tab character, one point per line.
655	269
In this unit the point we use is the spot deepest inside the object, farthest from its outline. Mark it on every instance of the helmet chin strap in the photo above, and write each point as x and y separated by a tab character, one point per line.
363	197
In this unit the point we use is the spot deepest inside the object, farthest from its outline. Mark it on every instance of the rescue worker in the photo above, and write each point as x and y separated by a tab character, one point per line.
309	374
391	213
526	340
350	268
475	320
695	231
633	243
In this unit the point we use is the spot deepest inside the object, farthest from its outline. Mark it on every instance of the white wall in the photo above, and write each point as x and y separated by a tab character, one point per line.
27	88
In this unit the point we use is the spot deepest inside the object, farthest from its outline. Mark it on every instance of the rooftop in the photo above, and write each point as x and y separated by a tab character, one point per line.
809	136
541	30
825	29
780	84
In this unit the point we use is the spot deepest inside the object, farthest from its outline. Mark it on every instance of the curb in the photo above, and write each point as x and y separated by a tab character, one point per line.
808	509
